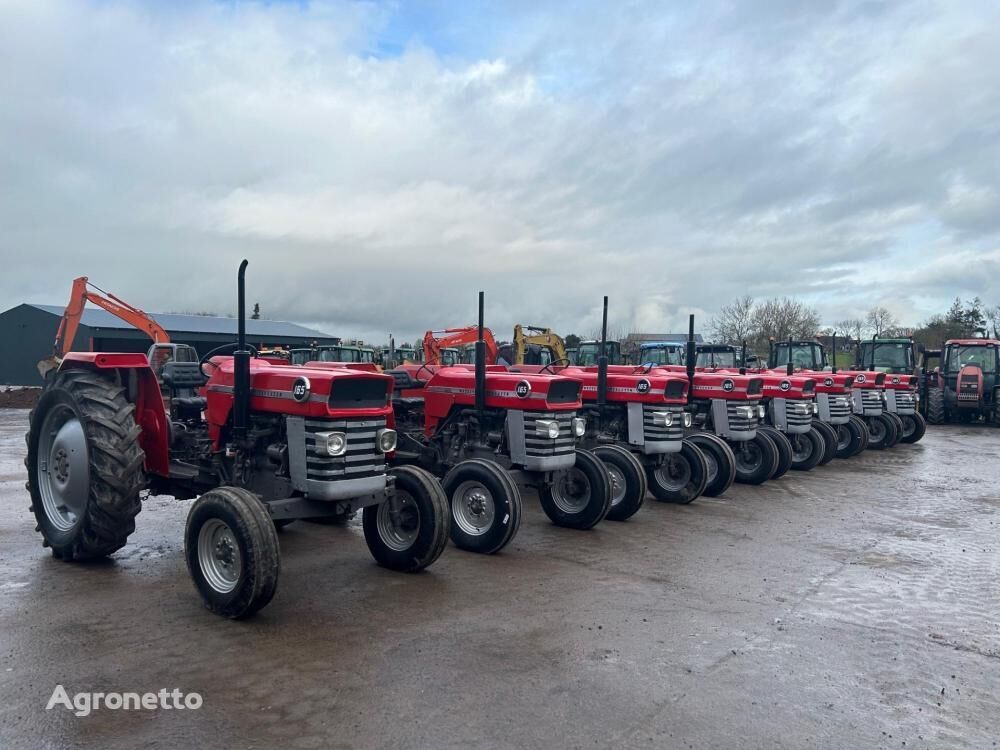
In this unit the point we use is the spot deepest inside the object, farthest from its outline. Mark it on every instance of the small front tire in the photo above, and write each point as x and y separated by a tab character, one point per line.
409	530
485	505
829	436
807	449
850	439
720	461
784	446
914	428
756	460
628	481
580	497
680	477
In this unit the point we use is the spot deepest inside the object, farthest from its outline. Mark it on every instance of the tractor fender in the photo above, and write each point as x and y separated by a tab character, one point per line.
143	390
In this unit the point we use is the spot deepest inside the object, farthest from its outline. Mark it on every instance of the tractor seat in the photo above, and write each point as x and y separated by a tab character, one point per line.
184	379
403	381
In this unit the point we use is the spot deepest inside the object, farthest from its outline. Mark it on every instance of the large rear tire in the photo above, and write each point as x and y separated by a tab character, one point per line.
578	498
720	461
408	530
935	406
851	438
881	432
628	481
784	446
807	449
680	477
485	505
756	460
914	428
231	550
85	466
829	436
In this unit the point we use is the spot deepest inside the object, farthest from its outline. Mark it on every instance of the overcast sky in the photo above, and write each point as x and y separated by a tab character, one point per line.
379	163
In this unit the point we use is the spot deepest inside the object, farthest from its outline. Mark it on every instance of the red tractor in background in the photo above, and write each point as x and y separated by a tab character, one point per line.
966	387
485	431
259	444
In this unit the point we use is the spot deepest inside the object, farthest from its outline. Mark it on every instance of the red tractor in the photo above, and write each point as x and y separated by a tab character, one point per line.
259	444
485	431
966	387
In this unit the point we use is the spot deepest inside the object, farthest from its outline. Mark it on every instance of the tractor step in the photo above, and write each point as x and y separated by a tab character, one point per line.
181	471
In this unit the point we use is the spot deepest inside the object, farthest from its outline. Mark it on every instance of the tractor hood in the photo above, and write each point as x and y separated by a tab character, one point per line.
901	382
826	381
710	384
624	383
865	379
504	389
299	391
781	385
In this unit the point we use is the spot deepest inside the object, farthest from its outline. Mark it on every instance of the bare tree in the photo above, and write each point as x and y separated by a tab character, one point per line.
852	328
783	318
879	321
734	323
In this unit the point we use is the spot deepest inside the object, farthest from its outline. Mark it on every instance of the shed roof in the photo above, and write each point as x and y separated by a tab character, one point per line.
98	318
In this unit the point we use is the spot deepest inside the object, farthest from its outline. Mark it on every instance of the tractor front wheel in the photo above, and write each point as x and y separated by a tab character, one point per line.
830	441
784	446
628	481
720	461
862	426
881	432
485	505
408	530
807	450
850	439
756	460
85	466
680	477
914	427
580	497
231	550
898	422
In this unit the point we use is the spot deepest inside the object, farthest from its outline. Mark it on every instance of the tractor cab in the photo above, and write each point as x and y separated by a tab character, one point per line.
331	353
804	355
897	356
716	356
590	351
662	353
967	381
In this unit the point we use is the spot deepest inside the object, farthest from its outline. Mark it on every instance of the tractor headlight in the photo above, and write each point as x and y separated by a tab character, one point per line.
744	412
547	428
663	419
761	412
386	440
802	408
579	426
686	419
331	443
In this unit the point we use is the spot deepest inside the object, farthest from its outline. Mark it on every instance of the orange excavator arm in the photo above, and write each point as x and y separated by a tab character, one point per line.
80	295
435	341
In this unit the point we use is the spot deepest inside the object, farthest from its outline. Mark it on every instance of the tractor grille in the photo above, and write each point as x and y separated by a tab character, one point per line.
871	400
840	409
905	401
968	388
538	446
363	459
797	417
652	433
741	423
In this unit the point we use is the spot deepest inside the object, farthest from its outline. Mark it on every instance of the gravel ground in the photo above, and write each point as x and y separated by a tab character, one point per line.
854	606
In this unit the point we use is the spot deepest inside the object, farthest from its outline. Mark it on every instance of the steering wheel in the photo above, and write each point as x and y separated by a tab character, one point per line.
643	369
554	363
416	375
205	358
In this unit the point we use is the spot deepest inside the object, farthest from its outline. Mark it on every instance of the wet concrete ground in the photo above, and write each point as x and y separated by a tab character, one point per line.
854	606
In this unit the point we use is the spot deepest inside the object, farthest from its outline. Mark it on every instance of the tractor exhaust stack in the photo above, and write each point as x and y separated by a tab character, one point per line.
833	360
790	368
602	360
481	364
743	359
691	355
241	361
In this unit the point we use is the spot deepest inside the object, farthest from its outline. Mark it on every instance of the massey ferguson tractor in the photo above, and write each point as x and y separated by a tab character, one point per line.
485	431
635	424
258	444
966	387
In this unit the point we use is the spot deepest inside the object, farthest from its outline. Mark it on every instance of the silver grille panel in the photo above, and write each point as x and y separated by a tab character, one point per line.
535	452
361	470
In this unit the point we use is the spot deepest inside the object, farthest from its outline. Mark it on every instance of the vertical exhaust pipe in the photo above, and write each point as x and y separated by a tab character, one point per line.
602	359
241	361
789	368
481	364
691	355
770	351
743	359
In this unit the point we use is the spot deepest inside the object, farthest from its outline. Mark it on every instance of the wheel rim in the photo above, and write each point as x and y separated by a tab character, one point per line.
618	484
219	556
713	466
473	508
398	521
674	473
749	457
802	448
571	491
63	468
877	430
843	437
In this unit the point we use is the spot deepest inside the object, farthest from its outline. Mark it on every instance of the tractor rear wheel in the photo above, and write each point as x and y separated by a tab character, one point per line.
679	477
485	505
756	460
807	449
881	432
914	427
408	530
628	481
231	550
784	446
829	436
720	460
935	406
85	466
578	498
851	439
